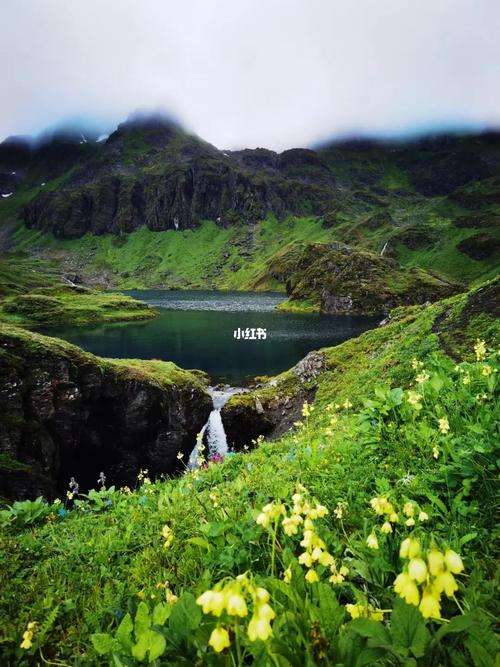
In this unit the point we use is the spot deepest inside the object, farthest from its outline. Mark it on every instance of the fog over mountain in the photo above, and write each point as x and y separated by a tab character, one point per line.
276	74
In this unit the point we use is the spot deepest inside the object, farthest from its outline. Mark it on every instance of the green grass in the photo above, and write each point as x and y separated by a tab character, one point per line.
211	257
80	574
198	258
32	294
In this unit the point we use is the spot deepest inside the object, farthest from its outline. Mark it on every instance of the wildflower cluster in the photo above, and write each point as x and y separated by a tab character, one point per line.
143	476
169	595
27	642
414	398
230	600
480	349
270	513
167	535
307	409
302	515
427	576
408	514
422	375
364	611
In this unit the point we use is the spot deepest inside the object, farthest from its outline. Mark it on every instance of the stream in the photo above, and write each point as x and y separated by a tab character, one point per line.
213	435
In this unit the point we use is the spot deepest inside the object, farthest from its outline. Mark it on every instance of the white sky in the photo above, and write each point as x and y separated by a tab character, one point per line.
274	73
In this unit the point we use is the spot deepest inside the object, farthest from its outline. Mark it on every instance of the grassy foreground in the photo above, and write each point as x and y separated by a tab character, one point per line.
365	537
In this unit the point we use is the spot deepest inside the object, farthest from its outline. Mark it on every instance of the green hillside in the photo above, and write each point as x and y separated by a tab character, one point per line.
364	537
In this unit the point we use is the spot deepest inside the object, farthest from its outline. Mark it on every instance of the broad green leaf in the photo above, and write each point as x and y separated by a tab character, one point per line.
185	616
102	642
396	396
199	542
150	643
214	528
408	628
331	612
161	612
139	650
479	653
124	632
157	645
375	631
142	620
436	383
456	624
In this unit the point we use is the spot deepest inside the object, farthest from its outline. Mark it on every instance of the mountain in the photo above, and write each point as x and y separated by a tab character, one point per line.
154	206
151	172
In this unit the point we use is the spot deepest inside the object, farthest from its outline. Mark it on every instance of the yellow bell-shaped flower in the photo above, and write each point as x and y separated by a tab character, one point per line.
219	639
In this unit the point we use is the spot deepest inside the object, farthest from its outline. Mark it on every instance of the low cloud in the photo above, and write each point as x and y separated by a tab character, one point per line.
274	73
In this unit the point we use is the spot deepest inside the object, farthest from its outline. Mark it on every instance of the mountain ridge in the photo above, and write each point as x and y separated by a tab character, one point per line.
152	172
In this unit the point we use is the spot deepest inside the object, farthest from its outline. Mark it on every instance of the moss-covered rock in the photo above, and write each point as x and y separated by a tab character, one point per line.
335	279
480	246
31	295
68	413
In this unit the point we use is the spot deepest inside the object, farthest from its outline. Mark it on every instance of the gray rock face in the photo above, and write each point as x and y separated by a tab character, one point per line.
245	420
65	415
331	304
310	366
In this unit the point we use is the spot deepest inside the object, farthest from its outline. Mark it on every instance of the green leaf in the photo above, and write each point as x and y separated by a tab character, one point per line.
142	620
456	624
151	643
102	642
467	538
436	383
396	396
479	654
185	616
214	528
124	632
331	613
199	542
160	613
374	630
408	629
437	502
157	645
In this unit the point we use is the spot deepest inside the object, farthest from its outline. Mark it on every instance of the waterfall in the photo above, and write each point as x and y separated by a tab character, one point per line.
383	249
213	433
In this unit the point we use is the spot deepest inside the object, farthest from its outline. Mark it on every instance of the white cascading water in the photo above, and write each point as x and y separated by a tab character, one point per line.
213	431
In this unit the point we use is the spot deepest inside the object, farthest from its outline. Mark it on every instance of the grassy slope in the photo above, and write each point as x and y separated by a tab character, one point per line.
81	573
31	294
384	353
235	258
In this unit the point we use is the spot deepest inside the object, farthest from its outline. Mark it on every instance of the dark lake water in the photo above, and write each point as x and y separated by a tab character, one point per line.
195	329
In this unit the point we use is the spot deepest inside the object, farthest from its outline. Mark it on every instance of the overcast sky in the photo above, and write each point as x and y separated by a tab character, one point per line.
275	73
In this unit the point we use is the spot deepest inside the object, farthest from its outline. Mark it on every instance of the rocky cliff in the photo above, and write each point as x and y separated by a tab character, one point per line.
150	172
66	413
